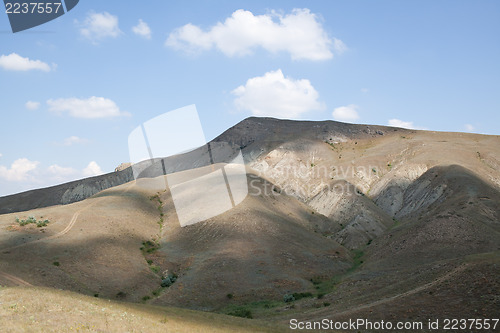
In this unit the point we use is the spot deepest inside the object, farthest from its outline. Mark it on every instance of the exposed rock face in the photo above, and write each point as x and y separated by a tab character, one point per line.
361	220
63	194
123	166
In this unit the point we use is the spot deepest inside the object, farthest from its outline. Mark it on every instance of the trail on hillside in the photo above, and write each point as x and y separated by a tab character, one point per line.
70	225
423	287
59	234
15	279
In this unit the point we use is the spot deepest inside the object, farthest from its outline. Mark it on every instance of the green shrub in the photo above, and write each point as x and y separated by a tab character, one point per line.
32	219
241	312
56	263
288	298
230	296
169	280
298	296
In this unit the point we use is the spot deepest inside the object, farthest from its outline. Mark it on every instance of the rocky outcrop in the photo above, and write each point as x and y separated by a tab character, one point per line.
63	194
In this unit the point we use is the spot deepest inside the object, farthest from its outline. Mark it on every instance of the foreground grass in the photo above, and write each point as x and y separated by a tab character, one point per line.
48	310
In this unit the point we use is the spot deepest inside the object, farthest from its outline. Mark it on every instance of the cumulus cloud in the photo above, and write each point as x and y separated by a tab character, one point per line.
14	62
24	175
57	173
30	105
275	95
93	169
299	33
404	124
347	113
142	29
99	26
20	170
90	108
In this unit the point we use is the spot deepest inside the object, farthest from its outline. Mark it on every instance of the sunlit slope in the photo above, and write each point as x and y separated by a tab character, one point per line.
51	310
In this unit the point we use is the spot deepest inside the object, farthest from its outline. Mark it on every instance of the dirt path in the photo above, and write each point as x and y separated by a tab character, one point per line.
70	225
21	282
439	280
16	280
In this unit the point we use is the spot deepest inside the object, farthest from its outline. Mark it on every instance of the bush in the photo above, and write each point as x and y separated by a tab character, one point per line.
241	312
298	296
56	263
288	298
32	219
169	280
230	296
121	294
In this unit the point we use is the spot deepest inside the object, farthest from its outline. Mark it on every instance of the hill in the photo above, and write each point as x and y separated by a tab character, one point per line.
342	221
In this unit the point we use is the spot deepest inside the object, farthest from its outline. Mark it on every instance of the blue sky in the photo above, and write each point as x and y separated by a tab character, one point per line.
73	89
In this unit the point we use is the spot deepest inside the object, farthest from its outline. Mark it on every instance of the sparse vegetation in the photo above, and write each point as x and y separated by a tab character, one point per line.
253	309
241	312
296	296
56	263
229	296
32	220
121	294
288	298
150	246
168	280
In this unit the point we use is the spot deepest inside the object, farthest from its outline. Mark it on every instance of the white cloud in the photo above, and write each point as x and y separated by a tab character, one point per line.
364	90
30	105
275	95
1	155
14	62
98	26
93	169
58	173
90	108
339	46
346	113
20	170
299	33
469	128
404	124
24	175
73	140
142	29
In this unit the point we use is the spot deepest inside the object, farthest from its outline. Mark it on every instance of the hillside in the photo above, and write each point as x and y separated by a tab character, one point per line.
355	220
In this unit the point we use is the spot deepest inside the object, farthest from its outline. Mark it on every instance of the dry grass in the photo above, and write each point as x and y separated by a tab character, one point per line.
51	310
